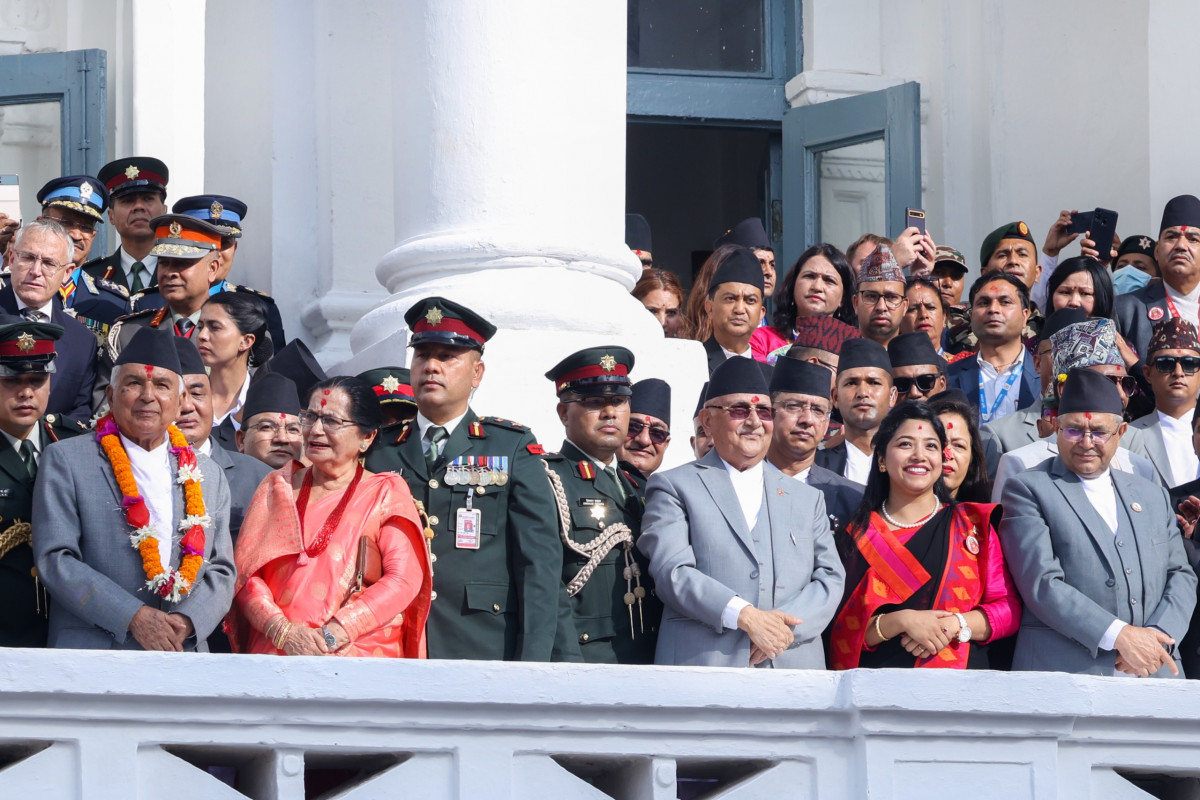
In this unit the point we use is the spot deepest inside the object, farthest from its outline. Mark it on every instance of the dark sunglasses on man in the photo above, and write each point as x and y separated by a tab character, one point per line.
924	384
1166	364
1126	382
741	411
658	434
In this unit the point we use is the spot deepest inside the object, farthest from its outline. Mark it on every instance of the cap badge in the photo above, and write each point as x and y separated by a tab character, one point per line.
1155	313
1144	242
25	342
131	172
176	229
85	191
434	316
1023	228
215	210
608	363
390	384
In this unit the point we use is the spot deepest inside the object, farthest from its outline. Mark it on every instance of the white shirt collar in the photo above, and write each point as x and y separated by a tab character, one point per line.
127	261
424	424
748	486
44	309
731	354
1103	496
205	447
611	463
35	438
803	474
237	404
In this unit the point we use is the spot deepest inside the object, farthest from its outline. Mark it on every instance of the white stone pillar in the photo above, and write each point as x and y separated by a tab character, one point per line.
509	132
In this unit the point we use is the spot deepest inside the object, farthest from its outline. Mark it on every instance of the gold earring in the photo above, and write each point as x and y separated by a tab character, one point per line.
882	468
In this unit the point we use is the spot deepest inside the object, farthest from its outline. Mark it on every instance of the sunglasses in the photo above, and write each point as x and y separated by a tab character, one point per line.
658	434
1128	383
1166	364
741	411
923	383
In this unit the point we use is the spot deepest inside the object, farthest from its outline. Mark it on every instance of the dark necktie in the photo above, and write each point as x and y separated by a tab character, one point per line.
27	457
33	315
184	328
137	271
437	434
616	479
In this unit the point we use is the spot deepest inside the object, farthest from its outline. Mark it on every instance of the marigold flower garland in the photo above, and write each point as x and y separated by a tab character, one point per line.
165	581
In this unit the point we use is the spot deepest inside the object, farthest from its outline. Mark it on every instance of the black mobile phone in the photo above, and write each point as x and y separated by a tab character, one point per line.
1102	231
1081	222
914	218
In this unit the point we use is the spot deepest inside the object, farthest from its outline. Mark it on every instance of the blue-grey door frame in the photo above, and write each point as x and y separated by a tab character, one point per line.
891	114
78	81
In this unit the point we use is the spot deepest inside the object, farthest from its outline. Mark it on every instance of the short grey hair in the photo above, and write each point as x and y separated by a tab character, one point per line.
47	226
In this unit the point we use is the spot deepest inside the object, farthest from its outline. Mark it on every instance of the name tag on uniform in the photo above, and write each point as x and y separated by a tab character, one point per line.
466	529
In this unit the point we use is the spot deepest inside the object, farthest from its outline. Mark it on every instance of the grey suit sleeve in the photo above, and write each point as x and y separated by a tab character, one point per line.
57	530
1173	614
1007	466
818	600
666	542
209	599
1029	550
992	450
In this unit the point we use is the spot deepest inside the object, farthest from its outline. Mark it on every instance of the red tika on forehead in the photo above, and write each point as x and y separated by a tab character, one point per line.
949	426
283	417
323	402
754	399
149	369
1087	415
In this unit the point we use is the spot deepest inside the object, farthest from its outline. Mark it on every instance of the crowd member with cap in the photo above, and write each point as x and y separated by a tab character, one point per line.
1095	552
742	555
1020	428
227	215
1178	294
918	372
927	311
696	317
751	233
949	274
1007	250
820	286
1090	344
271	430
1173	369
926	581
26	359
638	239
41	254
614	613
649	426
186	253
800	396
733	307
659	291
1002	378
106	509
296	362
862	247
393	385
879	297
1135	266
863	394
700	441
964	469
498	557
233	341
137	192
78	203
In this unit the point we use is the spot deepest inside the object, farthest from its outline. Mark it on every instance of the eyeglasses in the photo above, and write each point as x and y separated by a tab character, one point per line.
872	298
268	428
601	403
1075	435
27	259
658	434
1166	364
1127	383
741	411
330	423
74	226
923	383
797	407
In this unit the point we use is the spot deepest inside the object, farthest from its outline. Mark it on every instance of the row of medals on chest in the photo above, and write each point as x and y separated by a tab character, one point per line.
490	471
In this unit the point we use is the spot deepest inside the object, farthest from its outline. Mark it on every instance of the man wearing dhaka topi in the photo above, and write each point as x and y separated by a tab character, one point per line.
131	524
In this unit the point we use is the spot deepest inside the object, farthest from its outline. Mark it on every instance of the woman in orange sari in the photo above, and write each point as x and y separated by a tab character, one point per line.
332	559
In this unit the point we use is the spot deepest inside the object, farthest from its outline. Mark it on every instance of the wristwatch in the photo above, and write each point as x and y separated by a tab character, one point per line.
331	640
964	631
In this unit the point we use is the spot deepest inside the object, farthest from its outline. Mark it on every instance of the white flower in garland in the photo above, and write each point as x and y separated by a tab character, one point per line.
189	473
203	520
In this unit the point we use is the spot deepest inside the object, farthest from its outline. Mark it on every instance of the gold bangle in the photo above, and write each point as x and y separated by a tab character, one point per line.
878	630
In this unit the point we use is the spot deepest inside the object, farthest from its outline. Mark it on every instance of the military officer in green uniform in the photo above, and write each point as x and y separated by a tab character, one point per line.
496	552
614	612
26	361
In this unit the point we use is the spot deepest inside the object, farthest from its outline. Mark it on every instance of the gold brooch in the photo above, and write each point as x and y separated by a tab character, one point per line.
390	384
215	210
85	191
25	342
176	229
131	172
434	316
608	363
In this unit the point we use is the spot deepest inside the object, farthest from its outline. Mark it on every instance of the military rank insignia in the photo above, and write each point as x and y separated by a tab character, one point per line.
586	470
477	471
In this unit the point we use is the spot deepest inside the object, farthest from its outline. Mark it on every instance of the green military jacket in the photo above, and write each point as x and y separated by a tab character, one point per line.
23	602
608	630
501	600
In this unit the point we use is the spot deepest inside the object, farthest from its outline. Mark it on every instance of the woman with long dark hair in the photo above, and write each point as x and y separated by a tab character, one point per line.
233	340
1081	282
926	581
820	283
965	471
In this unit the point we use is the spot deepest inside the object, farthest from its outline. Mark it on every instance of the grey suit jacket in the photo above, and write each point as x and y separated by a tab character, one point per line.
93	575
1009	433
243	474
1148	442
1029	456
1071	569
702	555
1131	312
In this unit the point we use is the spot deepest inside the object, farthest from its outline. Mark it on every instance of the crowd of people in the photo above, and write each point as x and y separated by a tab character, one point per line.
884	476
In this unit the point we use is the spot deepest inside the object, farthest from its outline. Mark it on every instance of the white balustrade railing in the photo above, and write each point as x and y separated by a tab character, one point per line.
88	725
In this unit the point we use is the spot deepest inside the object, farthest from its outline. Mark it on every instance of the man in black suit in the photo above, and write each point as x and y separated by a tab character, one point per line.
42	252
734	306
800	397
137	191
863	394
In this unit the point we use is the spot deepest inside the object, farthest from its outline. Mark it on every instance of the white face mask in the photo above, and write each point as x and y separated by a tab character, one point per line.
1129	279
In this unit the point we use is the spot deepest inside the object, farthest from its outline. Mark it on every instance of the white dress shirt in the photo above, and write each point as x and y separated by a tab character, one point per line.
993	383
152	471
44	309
149	262
1177	439
803	474
237	404
858	465
424	424
730	354
1188	305
35	438
748	486
1103	497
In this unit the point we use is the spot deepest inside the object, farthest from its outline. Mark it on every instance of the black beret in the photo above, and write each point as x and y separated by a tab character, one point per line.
652	398
737	375
1090	391
637	233
296	362
747	233
1181	210
914	349
863	353
152	347
1013	230
801	377
273	393
740	267
1137	244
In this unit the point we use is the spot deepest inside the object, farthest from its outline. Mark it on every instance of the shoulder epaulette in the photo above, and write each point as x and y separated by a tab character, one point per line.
552	457
145	312
586	470
111	286
89	283
500	422
475	431
403	435
536	449
233	287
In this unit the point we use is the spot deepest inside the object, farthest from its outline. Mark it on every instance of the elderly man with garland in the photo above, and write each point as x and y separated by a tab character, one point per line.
131	525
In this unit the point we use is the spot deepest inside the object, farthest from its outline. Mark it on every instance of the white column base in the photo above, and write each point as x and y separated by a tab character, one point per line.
330	320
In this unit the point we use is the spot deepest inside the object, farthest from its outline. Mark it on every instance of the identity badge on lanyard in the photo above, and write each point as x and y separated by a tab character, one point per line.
985	413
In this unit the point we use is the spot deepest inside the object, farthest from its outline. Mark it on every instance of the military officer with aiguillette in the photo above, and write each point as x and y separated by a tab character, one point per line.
497	556
26	361
613	606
